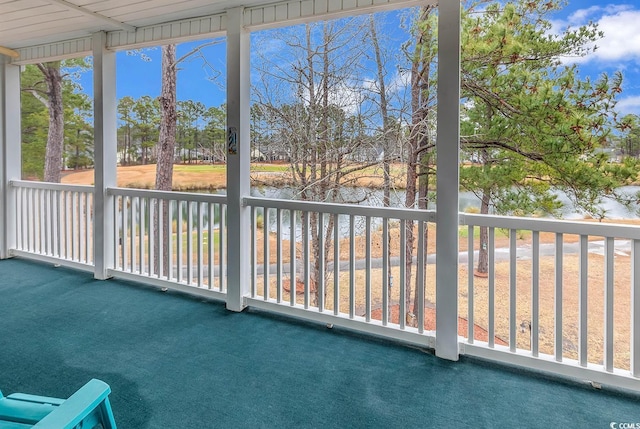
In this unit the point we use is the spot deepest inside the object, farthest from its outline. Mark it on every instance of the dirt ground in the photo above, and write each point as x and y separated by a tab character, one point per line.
204	178
143	177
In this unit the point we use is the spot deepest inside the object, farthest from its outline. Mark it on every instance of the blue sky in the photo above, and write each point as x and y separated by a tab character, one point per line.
202	78
618	50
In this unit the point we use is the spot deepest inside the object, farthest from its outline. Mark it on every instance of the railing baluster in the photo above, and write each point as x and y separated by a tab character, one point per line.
559	253
278	255
32	226
88	209
48	219
54	246
133	215
535	294
583	340
24	203
306	235
368	269
189	242
41	219
162	269
402	305
141	236
420	276
29	219
161	238
492	288
18	213
153	207
635	308
608	304
75	227
336	265
352	267
80	227
64	232
254	252
320	280
200	244
221	248
179	255
470	283
513	290
172	213
210	247
37	220
385	271
266	258
125	233
116	232
292	258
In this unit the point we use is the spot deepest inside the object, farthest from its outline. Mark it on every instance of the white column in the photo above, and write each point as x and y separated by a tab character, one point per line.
238	157
10	152
105	147
448	146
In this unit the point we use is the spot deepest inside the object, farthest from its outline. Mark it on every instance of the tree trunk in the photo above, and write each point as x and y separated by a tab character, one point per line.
166	144
412	177
55	136
420	99
423	201
483	254
386	143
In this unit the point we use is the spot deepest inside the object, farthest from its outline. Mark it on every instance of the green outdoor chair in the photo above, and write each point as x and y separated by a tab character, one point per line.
88	408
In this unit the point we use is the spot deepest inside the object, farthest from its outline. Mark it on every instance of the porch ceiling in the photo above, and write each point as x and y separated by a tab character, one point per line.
32	22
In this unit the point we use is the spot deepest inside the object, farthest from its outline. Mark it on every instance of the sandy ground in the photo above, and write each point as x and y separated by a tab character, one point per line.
143	177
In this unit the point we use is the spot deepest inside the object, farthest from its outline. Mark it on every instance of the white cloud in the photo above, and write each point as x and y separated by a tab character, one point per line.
629	105
619	23
346	96
400	81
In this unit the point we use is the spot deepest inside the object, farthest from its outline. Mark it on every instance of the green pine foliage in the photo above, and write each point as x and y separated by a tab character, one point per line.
530	123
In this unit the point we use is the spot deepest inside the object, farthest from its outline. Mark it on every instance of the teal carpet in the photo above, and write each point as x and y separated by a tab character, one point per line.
175	361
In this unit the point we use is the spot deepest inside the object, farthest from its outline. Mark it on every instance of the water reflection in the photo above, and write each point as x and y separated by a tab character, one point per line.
467	200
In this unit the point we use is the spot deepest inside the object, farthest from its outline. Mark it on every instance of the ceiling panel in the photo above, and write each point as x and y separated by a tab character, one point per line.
26	23
31	22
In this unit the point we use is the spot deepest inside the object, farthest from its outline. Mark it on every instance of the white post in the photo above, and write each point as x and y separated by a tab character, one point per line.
448	145
238	157
10	152
105	147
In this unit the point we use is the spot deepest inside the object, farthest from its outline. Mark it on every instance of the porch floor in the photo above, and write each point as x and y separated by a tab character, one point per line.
177	361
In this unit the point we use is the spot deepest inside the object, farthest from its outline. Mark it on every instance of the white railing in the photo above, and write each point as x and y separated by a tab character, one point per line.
171	239
353	273
54	222
559	295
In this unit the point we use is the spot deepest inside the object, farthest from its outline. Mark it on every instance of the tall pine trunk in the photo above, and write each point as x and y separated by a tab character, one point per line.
55	136
166	148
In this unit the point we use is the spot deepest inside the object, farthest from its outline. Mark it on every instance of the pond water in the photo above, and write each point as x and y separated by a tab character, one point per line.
467	200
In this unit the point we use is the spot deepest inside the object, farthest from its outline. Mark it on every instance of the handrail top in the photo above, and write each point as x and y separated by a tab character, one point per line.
167	195
559	226
51	186
342	209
